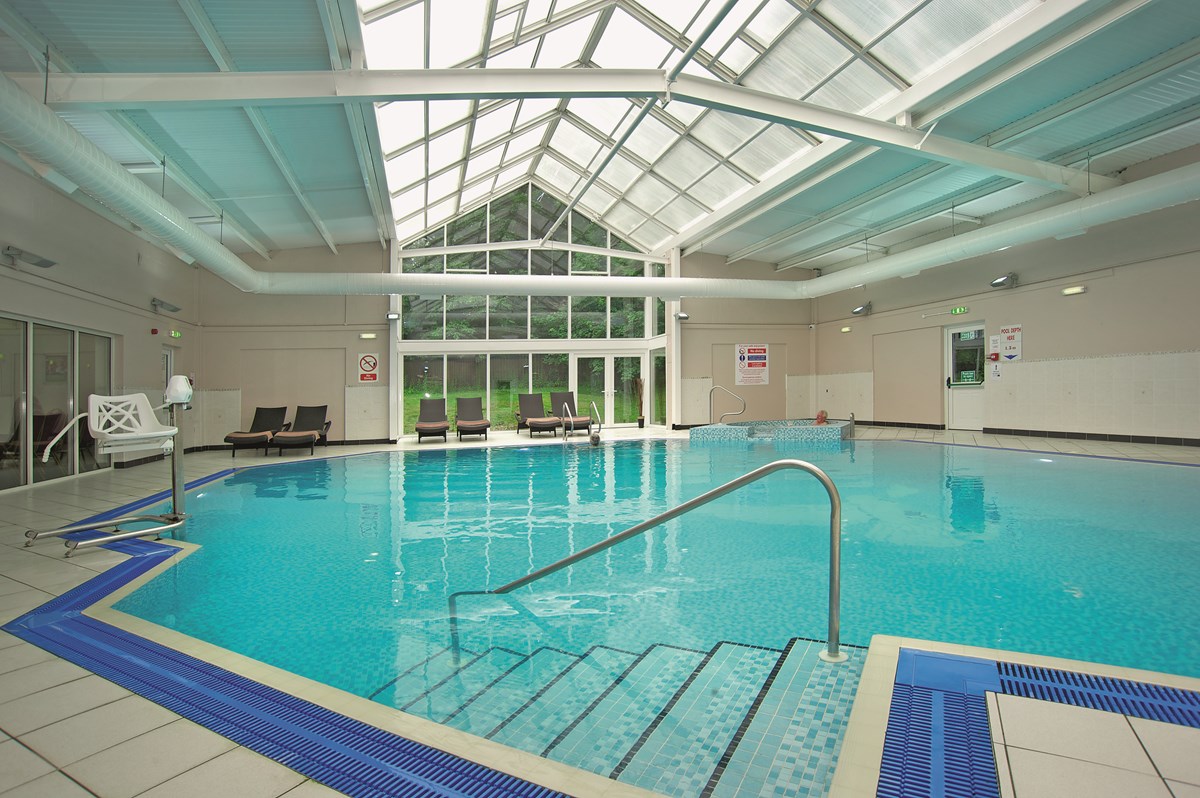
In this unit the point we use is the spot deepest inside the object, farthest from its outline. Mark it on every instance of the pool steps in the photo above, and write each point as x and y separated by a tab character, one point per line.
675	720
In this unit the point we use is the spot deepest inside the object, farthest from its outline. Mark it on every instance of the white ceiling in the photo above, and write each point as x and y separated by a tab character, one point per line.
951	114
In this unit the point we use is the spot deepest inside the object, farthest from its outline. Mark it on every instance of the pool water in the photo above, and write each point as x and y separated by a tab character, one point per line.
340	570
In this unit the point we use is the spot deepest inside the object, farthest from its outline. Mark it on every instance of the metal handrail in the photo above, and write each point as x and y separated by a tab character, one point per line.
831	653
566	416
599	421
711	410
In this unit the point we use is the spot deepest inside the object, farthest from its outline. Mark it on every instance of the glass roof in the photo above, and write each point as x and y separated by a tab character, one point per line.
682	161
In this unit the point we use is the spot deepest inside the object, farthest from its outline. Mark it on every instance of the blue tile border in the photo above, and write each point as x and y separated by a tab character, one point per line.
341	752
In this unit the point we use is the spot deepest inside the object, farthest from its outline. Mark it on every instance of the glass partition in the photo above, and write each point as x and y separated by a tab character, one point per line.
95	357
466	375
422	380
510	376
52	400
12	402
658	386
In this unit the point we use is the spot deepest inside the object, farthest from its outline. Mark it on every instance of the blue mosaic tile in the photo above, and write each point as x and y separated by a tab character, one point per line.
789	748
614	723
448	695
679	752
512	690
551	713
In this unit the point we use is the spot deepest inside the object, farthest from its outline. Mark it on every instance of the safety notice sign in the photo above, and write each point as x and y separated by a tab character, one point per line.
751	365
368	368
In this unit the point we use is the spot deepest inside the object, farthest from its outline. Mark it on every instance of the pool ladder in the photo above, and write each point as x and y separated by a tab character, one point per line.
567	414
712	410
832	653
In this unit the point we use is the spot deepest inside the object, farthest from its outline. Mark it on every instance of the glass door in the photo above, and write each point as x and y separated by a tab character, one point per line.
615	383
95	376
13	454
52	401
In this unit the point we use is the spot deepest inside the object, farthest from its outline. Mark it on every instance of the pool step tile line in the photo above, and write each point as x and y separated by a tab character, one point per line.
788	744
614	722
444	698
508	692
552	712
414	681
679	750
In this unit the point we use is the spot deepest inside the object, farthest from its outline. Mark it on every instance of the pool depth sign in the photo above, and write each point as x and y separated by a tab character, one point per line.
750	364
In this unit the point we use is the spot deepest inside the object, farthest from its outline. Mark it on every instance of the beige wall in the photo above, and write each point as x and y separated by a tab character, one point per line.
907	366
103	281
296	350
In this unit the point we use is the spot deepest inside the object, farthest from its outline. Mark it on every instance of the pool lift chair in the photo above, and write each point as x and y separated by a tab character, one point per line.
127	424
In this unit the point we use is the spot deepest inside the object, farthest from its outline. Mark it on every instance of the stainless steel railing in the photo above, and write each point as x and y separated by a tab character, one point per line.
832	652
711	410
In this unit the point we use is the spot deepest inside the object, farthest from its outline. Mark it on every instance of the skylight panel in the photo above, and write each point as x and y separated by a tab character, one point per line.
863	20
650	194
679	213
441	211
406	169
683	163
446	149
396	41
718	187
535	107
856	88
408	203
482	162
477	191
602	113
774	148
574	143
773	20
400	123
537	11
800	60
725	132
685	113
455	32
738	56
519	57
597	200
494	124
563	46
651	234
444	185
628	44
650	139
623	217
443	113
558	176
620	173
729	26
503	25
410	227
528	140
514	172
676	14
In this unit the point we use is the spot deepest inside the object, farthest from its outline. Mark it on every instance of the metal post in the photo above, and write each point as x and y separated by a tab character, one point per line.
177	491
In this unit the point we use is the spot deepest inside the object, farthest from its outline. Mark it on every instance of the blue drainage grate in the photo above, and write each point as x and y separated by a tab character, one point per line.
937	741
1139	699
343	753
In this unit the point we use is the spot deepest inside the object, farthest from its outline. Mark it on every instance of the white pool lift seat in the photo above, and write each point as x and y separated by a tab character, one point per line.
127	424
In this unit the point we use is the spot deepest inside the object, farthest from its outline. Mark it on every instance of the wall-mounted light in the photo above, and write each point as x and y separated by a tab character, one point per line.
367	336
392	316
862	310
1005	281
14	254
159	305
847	329
1074	289
679	314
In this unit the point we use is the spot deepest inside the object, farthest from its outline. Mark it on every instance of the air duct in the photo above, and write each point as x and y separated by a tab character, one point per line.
35	131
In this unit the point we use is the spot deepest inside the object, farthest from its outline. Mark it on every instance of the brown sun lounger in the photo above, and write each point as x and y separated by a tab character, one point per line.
432	421
309	429
468	417
267	423
533	414
564	403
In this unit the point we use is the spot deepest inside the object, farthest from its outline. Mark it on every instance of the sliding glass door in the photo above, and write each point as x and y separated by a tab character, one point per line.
13	453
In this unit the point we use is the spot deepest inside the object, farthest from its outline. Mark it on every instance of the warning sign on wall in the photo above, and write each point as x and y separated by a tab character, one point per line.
368	368
751	364
1010	343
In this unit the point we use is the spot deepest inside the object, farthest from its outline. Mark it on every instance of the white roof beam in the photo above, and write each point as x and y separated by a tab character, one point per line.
145	91
530	244
865	130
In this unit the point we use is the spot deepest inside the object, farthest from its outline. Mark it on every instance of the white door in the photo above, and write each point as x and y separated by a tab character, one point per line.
614	383
966	364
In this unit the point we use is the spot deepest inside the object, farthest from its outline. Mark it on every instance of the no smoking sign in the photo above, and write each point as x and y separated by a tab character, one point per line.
367	368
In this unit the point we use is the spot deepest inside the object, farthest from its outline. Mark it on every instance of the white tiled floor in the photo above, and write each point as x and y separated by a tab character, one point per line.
66	732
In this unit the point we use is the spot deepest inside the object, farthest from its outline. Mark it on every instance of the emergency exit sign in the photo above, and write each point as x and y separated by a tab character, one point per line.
958	311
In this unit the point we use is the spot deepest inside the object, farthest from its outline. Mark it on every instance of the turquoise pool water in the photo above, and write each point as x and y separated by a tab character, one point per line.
340	569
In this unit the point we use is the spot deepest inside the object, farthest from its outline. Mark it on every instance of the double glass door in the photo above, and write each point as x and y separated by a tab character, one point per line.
614	382
46	374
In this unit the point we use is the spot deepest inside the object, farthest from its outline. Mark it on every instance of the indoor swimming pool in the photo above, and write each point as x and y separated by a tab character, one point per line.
340	570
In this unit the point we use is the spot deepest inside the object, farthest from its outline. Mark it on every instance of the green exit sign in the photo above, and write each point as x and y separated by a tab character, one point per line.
958	311
176	334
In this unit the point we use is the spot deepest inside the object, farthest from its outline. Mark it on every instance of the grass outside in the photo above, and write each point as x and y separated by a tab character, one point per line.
503	413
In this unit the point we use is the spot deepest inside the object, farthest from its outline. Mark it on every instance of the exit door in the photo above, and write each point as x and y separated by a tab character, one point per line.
965	366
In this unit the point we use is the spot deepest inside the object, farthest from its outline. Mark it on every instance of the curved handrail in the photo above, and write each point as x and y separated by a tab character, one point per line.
831	654
710	404
565	417
599	421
